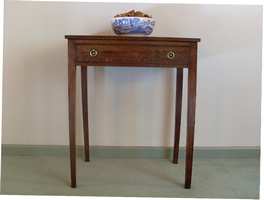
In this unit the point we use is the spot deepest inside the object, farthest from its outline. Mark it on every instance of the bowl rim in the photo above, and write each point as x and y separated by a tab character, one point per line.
149	18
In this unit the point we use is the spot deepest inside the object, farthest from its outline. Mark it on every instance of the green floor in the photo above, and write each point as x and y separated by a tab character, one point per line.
49	175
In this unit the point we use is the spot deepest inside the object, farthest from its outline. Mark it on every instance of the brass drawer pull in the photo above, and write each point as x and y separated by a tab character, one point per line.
93	52
171	55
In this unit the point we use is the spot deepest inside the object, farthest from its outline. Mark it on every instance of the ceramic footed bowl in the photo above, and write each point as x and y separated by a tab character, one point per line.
133	25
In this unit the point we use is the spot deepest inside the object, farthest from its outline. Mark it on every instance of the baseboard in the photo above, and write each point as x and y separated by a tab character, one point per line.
130	152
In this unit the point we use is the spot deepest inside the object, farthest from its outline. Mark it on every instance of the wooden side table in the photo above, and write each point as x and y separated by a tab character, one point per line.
125	51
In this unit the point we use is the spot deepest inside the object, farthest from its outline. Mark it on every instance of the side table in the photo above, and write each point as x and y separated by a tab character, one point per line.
123	51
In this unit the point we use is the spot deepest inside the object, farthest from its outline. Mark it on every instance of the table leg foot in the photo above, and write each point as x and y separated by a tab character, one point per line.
187	186
175	161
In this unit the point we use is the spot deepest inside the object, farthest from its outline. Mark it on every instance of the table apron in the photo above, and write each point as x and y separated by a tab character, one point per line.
146	65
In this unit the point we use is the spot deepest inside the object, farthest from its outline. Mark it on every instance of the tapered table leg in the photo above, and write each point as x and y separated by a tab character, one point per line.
72	101
191	116
178	110
85	112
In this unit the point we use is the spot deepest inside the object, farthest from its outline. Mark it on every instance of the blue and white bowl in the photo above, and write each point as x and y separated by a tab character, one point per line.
133	25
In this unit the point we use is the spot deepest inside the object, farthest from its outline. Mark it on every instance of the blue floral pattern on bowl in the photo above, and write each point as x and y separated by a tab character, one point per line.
133	25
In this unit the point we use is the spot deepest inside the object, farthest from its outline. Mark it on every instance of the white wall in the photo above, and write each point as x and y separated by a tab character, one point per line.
128	106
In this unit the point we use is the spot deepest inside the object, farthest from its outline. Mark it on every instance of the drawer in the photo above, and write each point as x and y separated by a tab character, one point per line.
132	55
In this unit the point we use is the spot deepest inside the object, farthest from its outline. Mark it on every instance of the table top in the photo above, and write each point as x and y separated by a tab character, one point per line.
131	38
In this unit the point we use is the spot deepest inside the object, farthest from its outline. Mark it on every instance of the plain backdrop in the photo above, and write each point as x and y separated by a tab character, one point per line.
131	106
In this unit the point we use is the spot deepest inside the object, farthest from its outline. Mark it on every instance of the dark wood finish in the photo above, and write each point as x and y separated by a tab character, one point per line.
85	112
137	52
72	100
178	105
192	73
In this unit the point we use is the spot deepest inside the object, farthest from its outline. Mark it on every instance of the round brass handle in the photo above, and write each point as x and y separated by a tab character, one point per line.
171	55
93	52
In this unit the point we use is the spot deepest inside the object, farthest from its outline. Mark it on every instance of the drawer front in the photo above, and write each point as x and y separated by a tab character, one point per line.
129	55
